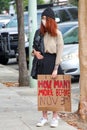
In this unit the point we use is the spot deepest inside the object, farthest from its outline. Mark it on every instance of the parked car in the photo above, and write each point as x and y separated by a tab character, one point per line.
70	59
9	40
65	26
65	12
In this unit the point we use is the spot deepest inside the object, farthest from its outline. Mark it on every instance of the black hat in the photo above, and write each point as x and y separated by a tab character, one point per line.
48	13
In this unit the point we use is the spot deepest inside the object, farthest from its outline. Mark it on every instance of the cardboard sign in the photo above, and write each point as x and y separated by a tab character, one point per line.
54	94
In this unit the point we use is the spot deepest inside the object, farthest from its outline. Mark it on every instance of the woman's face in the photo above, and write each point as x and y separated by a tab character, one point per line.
43	20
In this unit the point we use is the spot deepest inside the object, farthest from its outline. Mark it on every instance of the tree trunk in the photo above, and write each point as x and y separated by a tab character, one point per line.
23	73
83	57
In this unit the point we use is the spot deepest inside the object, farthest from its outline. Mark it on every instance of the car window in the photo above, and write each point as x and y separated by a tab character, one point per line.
74	13
66	13
65	28
12	23
71	37
63	16
56	14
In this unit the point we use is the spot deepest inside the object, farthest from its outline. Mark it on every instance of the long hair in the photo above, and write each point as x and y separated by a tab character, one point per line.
51	27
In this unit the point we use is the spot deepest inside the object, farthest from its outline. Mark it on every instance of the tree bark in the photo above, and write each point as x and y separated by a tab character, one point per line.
23	73
83	57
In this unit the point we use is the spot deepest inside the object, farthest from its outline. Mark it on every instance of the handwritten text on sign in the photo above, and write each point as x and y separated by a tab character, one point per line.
54	94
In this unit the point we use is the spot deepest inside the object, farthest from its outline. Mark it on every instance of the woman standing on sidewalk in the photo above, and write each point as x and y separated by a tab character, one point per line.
50	61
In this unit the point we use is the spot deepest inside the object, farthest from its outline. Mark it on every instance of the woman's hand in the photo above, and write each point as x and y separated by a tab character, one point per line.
54	73
38	54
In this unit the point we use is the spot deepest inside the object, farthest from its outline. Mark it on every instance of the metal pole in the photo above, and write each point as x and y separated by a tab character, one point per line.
32	28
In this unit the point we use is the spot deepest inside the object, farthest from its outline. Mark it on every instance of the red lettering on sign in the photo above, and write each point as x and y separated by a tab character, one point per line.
41	92
45	84
45	92
58	84
61	84
58	92
40	84
62	92
66	83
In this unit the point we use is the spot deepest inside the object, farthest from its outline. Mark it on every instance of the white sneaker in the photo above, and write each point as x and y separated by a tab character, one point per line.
54	123
42	122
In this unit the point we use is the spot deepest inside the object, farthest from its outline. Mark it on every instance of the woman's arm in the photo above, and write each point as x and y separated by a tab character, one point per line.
59	51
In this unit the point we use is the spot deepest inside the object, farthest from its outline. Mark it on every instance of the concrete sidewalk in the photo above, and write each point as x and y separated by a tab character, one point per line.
18	106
